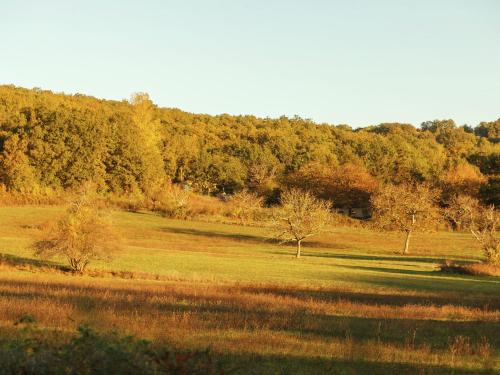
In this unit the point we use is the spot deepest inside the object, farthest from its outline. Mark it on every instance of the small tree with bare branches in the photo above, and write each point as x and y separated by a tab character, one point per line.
81	235
301	216
175	201
405	208
244	205
483	223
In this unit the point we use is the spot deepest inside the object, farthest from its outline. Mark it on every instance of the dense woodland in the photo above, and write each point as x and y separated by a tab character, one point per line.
51	142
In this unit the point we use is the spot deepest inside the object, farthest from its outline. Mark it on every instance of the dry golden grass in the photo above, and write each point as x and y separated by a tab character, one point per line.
266	320
351	305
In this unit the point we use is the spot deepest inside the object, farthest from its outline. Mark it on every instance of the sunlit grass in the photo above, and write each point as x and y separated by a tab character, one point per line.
351	302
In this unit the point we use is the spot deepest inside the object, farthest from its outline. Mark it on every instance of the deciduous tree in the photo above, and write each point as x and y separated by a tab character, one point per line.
82	235
482	222
146	143
301	216
347	185
405	208
464	178
15	171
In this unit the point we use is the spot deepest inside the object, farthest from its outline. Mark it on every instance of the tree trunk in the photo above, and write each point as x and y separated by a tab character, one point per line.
299	242
407	242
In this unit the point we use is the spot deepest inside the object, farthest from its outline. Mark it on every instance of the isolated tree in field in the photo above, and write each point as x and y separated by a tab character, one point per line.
483	223
83	234
405	208
301	216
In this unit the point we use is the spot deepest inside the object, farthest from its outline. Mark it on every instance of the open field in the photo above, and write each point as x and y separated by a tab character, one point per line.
352	304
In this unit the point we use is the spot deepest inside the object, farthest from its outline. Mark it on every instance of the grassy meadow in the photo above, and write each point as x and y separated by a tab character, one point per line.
350	305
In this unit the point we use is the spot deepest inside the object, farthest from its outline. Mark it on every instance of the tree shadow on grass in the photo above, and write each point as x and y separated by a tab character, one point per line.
22	262
330	245
475	300
377	257
219	234
222	312
468	286
474	291
253	364
395	270
435	273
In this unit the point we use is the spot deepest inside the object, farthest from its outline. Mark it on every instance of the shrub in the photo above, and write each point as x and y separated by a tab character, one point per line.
83	234
474	269
244	206
40	197
173	201
206	206
93	353
133	202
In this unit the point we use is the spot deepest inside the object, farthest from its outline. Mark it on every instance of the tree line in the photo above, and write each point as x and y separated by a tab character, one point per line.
55	142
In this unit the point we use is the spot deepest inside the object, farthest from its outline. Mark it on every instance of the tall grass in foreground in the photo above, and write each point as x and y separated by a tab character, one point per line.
92	353
240	320
350	305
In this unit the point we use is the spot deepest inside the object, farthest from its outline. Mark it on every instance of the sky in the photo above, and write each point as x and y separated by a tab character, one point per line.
341	62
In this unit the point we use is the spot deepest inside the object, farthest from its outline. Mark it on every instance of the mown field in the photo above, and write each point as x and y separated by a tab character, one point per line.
350	305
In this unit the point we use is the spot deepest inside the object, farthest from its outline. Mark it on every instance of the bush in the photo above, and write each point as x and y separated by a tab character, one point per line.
83	234
39	197
133	202
244	206
93	353
473	269
172	201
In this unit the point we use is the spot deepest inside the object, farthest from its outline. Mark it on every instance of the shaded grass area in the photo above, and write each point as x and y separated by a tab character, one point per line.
305	365
240	321
351	305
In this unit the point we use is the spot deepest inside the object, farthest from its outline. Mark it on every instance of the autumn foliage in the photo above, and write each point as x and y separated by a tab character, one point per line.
300	216
345	185
482	222
56	142
406	208
82	235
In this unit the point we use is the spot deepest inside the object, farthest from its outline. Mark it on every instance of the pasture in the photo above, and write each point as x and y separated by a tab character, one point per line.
350	305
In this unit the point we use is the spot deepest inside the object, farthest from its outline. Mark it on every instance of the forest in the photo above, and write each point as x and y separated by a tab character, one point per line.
140	239
51	142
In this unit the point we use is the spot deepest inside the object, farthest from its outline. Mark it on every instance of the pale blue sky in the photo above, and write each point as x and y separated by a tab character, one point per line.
355	62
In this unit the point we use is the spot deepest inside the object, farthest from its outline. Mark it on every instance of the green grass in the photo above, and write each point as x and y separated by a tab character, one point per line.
223	252
358	266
